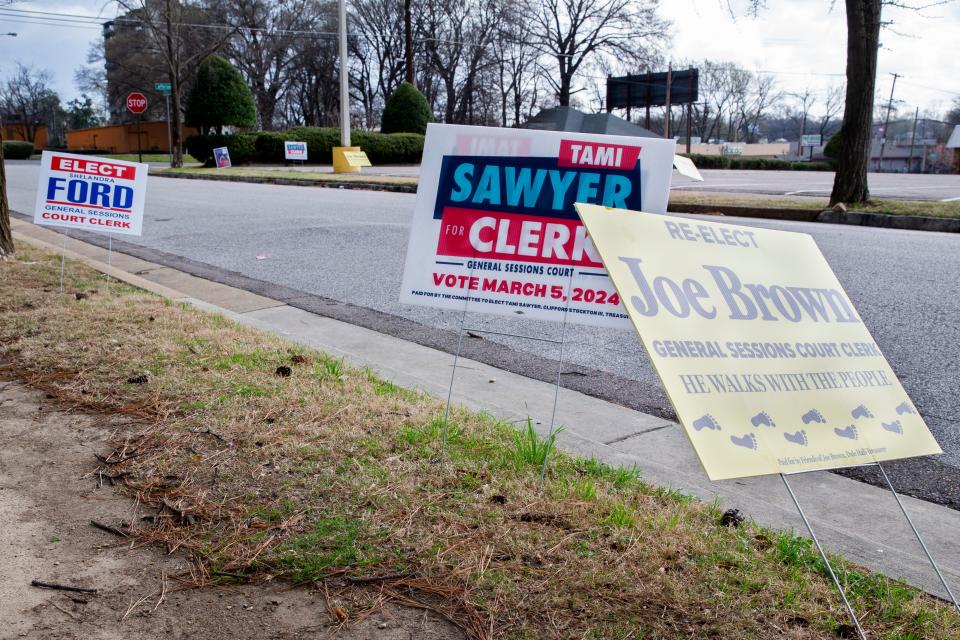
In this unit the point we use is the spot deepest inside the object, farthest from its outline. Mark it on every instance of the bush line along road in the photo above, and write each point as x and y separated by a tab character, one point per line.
349	246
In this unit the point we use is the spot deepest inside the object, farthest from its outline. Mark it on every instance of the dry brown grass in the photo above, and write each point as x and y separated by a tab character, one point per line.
327	476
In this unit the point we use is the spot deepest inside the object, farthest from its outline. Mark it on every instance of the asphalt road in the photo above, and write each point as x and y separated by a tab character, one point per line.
349	246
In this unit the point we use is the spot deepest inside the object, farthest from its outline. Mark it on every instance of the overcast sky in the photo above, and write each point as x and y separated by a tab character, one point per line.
803	41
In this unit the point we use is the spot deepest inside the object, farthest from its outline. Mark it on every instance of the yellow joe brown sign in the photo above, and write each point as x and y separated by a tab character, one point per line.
766	361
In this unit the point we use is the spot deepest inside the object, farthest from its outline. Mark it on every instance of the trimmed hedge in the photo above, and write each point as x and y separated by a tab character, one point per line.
241	146
17	150
761	164
267	146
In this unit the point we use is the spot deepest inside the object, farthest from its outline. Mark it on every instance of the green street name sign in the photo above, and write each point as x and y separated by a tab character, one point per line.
163	86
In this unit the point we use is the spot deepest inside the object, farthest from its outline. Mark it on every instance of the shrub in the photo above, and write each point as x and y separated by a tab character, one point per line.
762	164
241	146
406	111
17	150
390	148
832	149
269	146
394	148
220	97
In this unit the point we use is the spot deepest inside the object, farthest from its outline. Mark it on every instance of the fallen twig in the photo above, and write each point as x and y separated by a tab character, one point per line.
388	576
69	613
60	587
108	529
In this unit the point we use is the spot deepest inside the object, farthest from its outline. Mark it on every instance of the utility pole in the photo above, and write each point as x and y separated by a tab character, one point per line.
666	110
913	140
344	79
886	125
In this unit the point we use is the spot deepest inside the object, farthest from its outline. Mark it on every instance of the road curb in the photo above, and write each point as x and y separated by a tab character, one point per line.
856	218
371	185
829	216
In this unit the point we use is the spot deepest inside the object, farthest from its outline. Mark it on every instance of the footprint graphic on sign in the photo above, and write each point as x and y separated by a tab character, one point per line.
849	431
747	441
800	437
904	407
762	418
893	427
861	412
706	422
813	416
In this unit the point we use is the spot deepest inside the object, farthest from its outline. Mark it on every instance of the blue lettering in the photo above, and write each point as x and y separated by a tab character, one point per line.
488	187
122	197
100	195
616	190
461	177
523	185
587	189
560	183
54	185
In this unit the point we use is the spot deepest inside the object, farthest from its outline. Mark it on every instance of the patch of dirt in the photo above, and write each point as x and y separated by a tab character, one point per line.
48	497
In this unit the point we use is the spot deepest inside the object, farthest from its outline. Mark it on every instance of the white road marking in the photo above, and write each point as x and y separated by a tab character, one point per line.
795	193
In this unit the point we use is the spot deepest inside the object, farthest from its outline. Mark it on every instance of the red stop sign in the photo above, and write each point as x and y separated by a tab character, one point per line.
136	102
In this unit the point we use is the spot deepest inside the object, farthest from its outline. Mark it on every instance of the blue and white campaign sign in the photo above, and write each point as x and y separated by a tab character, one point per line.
221	157
494	227
86	192
294	150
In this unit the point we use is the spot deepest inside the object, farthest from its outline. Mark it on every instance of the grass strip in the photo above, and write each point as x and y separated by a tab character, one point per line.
289	174
930	208
264	459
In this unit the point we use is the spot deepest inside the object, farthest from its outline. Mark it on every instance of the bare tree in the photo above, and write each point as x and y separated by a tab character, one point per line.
573	32
27	97
172	26
516	63
263	48
379	52
455	36
832	105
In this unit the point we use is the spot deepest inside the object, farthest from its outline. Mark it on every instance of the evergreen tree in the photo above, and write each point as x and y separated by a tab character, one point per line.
219	98
406	111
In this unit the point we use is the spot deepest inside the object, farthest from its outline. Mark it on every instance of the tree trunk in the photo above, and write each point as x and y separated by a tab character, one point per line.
853	159
6	237
408	40
175	114
563	96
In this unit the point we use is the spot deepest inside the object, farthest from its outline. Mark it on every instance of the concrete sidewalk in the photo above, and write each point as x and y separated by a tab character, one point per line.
856	520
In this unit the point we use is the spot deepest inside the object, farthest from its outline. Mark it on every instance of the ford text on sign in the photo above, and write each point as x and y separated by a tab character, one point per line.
764	357
495	226
85	192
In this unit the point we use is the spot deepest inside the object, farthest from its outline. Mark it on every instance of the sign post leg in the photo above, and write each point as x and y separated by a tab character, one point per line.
109	258
453	373
556	397
139	145
833	576
556	388
166	95
63	256
933	563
